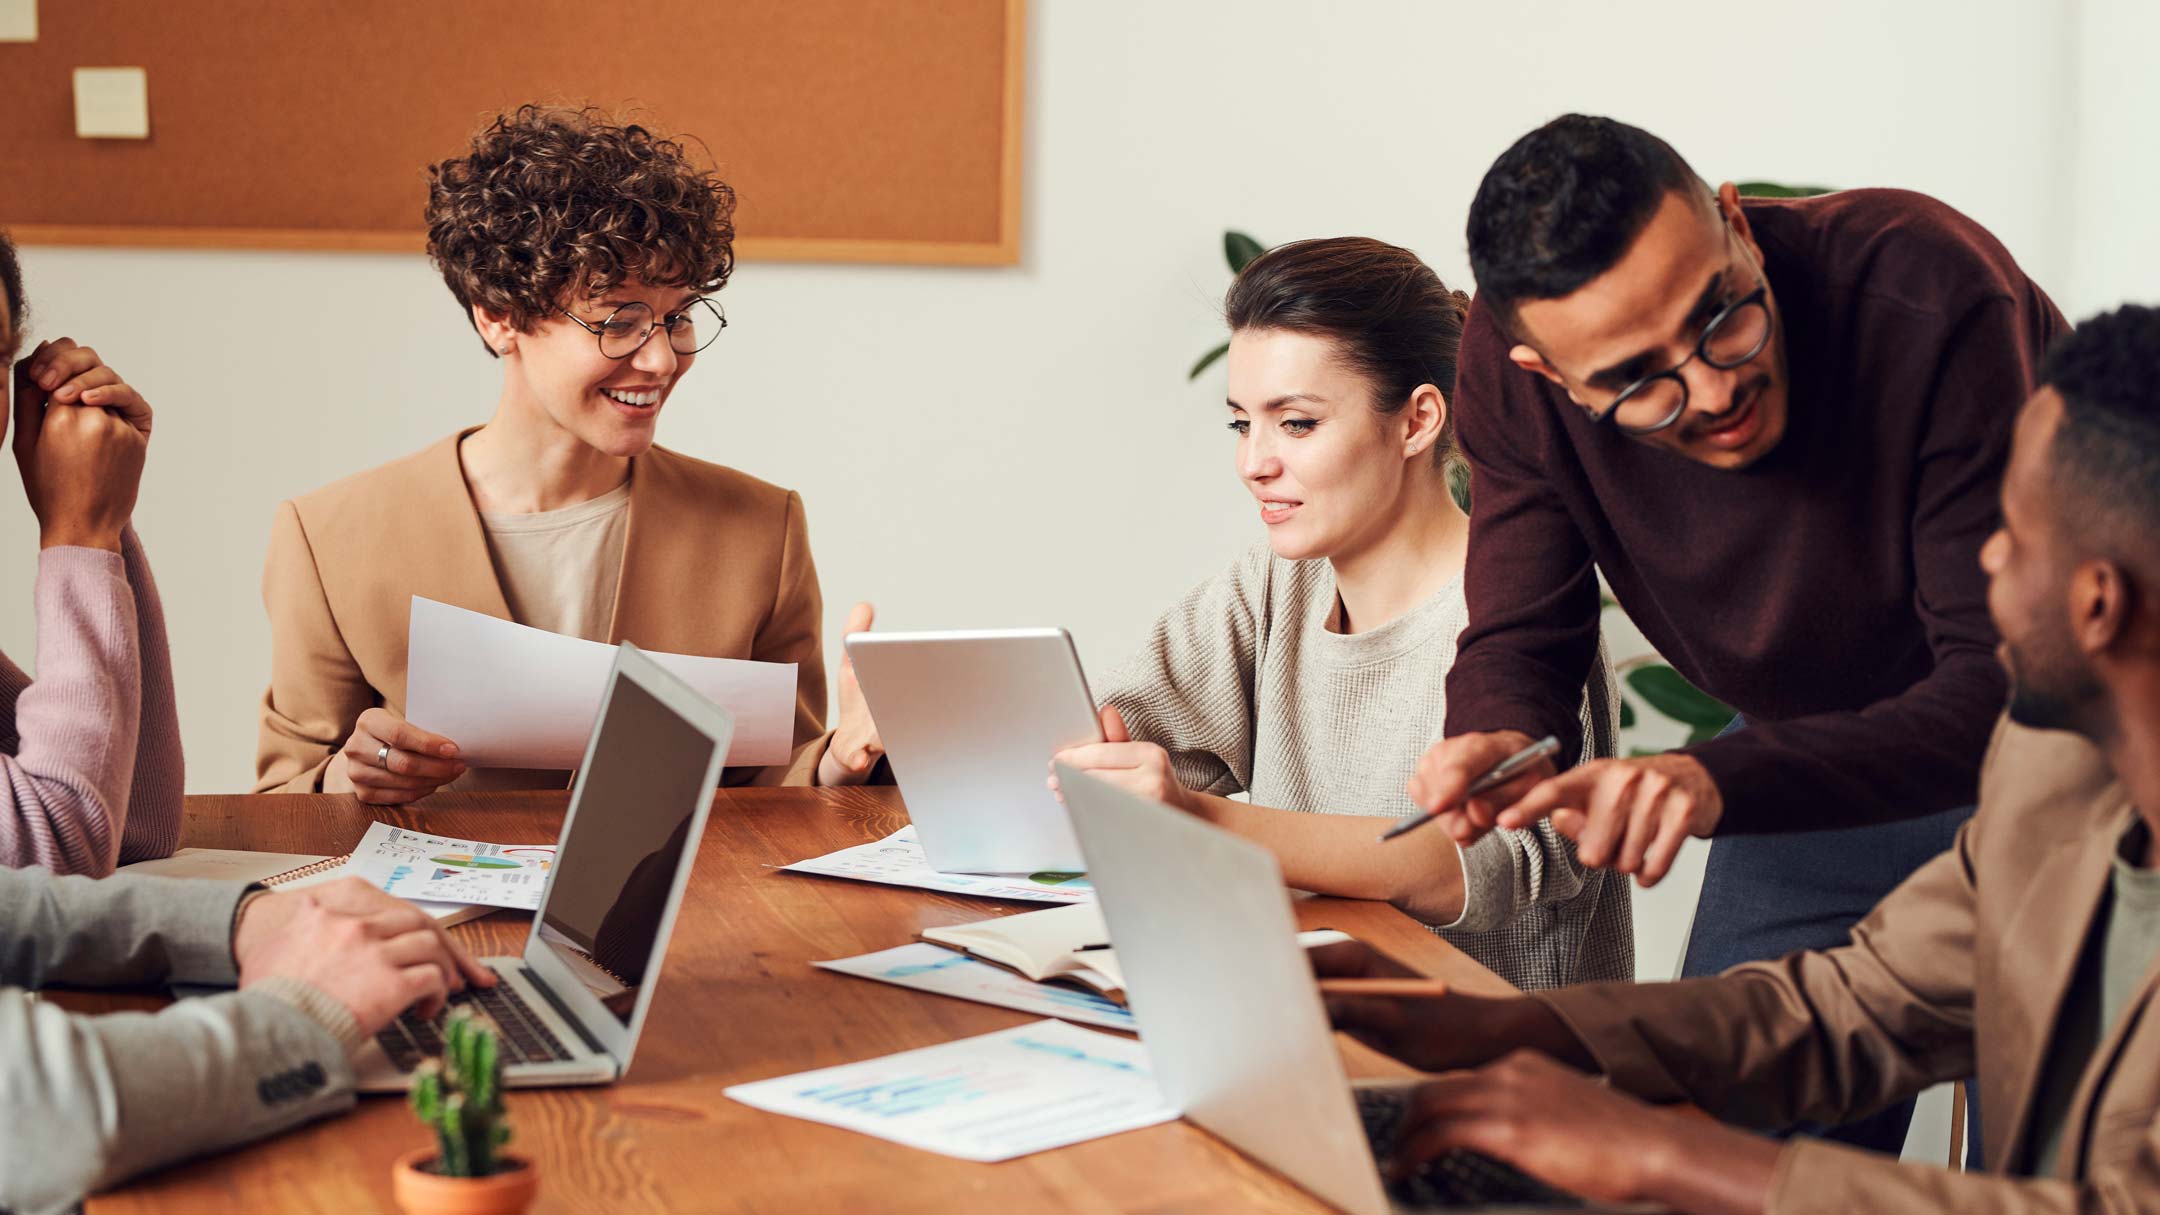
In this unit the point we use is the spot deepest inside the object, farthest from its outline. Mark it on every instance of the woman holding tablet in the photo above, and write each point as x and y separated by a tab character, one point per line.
1310	674
585	255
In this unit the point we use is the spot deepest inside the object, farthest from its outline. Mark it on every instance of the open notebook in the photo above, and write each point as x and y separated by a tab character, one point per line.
1056	945
1068	945
280	871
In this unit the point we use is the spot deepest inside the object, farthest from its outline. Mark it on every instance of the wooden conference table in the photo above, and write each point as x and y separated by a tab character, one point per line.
738	1001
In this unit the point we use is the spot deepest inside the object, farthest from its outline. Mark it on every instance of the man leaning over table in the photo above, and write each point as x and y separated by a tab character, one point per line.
88	1101
1777	427
2028	950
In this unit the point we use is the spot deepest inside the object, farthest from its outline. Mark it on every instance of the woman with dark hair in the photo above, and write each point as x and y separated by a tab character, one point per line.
1310	674
585	254
90	771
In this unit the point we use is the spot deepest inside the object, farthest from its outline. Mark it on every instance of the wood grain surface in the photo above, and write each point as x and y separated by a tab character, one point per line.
737	1001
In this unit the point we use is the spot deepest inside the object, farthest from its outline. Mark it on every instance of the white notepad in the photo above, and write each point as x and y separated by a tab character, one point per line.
281	871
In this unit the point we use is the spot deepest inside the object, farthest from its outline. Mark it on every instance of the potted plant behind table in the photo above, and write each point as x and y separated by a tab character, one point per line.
459	1096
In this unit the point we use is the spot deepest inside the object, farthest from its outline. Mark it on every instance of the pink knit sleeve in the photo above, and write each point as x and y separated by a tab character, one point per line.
64	788
153	813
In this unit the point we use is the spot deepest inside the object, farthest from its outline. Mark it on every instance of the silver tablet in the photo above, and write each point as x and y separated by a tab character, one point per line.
970	720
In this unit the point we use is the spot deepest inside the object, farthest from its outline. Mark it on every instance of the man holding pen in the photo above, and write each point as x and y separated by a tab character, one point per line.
1777	426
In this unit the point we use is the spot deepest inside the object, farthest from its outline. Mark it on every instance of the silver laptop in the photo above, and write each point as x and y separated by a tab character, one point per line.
970	720
569	1010
1235	1030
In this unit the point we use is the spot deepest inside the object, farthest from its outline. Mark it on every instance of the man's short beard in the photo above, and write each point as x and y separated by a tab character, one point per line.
2066	705
2041	711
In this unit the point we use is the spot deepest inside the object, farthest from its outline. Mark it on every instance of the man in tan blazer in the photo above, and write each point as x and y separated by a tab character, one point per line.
2025	952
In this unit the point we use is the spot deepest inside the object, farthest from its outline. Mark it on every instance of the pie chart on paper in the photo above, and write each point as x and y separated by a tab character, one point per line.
464	860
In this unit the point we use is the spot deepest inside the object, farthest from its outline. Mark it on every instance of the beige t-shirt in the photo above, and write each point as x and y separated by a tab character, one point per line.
559	567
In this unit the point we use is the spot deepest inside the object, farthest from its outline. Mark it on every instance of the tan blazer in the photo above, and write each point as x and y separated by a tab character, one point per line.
716	563
1965	965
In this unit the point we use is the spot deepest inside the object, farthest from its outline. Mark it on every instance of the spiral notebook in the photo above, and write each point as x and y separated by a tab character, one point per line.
281	871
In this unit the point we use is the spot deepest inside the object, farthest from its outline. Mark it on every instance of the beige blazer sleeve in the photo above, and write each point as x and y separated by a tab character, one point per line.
794	632
1817	1036
316	686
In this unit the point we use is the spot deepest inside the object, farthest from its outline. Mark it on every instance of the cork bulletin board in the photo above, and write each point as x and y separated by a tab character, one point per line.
852	130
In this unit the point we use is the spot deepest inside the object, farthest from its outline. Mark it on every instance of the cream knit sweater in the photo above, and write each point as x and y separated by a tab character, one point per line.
1247	689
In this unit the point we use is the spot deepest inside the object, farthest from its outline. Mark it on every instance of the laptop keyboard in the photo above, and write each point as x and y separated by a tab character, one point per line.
523	1036
1453	1179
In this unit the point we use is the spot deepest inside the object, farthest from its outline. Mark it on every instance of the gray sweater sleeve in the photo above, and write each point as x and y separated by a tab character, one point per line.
1509	870
1190	689
91	1100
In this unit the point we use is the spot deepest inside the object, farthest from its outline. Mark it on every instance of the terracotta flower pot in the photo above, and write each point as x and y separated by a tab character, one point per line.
421	1192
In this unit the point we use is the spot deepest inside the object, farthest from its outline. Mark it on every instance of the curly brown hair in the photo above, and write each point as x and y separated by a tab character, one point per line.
553	203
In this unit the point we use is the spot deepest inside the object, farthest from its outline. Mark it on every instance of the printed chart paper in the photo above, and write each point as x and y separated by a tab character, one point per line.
517	697
994	1097
927	967
897	860
441	868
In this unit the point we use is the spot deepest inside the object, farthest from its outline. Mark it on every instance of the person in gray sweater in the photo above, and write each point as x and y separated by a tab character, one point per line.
89	1101
1311	674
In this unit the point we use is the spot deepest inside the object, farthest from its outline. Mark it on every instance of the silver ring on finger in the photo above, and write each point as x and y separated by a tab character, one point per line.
382	756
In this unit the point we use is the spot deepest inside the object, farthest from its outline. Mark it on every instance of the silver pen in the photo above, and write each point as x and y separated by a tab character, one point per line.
1495	776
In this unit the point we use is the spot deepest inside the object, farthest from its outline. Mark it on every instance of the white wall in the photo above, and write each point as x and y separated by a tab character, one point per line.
2114	127
1017	446
992	446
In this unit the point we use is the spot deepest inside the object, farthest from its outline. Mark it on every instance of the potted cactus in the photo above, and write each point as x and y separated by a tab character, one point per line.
459	1097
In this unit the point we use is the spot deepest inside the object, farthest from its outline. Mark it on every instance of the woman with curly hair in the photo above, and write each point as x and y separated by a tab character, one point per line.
585	254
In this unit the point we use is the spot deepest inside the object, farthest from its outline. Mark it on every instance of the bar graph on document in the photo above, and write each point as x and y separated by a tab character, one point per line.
992	1097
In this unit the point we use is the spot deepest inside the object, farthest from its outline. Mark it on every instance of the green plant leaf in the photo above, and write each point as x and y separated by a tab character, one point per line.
1206	361
1670	694
1627	715
1771	189
1239	250
1458	483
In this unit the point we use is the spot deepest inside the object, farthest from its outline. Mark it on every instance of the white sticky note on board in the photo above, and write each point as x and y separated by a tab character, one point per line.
18	20
112	103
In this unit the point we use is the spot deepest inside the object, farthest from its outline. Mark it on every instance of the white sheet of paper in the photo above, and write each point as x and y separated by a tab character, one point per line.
927	967
517	697
18	20
897	860
442	868
994	1097
112	103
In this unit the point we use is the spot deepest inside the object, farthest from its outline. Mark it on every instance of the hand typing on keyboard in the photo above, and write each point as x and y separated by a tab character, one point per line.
374	954
521	1036
1578	1135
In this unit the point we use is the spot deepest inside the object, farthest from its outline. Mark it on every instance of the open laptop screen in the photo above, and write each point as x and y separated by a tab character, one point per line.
616	866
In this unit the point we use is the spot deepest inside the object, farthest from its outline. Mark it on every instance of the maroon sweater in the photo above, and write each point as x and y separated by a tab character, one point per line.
1832	591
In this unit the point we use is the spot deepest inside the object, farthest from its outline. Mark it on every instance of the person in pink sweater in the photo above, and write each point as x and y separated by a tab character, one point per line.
90	771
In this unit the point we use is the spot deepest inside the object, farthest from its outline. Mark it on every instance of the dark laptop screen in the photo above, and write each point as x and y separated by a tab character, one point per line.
618	863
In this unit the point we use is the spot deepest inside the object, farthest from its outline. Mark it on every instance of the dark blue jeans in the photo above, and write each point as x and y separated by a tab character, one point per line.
1765	896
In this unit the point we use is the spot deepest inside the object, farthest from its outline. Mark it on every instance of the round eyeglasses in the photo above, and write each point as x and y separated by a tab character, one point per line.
1731	339
626	330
